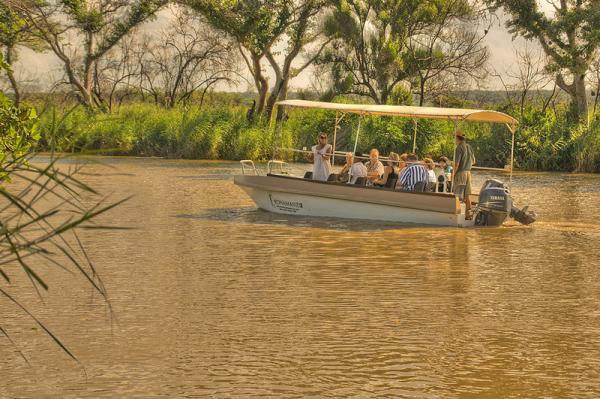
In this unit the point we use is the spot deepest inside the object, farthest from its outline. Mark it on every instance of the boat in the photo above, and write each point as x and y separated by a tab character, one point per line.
280	192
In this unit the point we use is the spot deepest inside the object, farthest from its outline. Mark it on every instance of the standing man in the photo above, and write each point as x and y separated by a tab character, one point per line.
461	182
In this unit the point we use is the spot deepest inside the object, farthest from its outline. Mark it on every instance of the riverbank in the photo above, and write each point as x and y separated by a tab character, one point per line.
546	140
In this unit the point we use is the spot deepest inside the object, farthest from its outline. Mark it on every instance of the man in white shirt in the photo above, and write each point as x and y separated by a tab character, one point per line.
358	169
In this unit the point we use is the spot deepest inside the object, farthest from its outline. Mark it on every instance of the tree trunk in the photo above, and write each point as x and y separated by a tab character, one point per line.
577	92
581	97
421	92
11	77
276	94
262	84
88	69
282	96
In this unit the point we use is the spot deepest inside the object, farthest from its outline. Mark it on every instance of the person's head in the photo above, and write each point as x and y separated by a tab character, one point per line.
412	157
349	157
393	159
460	136
374	154
443	162
429	163
357	156
403	159
322	138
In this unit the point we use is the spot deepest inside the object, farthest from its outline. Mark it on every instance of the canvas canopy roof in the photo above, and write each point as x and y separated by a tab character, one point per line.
454	114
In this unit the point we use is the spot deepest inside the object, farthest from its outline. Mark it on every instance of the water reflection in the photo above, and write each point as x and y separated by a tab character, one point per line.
217	299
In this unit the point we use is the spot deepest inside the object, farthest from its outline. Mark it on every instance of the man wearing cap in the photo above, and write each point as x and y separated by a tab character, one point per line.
461	182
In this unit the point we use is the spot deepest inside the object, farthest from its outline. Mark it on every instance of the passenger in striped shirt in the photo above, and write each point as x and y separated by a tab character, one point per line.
415	176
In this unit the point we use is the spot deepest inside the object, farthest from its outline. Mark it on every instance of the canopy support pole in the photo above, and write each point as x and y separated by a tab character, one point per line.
278	141
335	129
512	155
454	153
414	150
357	134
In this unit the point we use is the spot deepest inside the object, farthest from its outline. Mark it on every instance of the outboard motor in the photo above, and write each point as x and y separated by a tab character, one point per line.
496	204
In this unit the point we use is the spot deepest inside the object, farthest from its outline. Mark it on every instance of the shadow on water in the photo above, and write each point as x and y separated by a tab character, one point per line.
207	177
251	215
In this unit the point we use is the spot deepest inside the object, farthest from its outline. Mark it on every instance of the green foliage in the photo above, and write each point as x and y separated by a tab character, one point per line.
372	49
255	24
34	235
545	140
19	133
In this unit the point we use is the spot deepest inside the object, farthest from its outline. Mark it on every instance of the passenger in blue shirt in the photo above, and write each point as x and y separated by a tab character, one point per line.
415	176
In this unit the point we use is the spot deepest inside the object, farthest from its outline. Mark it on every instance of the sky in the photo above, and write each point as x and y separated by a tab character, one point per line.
42	70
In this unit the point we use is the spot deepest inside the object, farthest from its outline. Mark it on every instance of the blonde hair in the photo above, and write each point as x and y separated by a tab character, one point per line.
429	163
395	158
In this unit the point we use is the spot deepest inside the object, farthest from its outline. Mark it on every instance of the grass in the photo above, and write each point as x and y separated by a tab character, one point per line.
545	140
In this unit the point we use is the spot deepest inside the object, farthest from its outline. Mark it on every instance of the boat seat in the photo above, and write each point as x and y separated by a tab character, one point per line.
420	187
308	175
332	177
391	183
360	181
443	184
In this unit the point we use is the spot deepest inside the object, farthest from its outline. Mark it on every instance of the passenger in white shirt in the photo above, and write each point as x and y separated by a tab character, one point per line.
358	169
430	165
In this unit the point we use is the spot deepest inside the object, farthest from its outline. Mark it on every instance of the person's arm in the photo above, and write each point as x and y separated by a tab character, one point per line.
326	154
386	172
403	177
345	168
457	159
310	156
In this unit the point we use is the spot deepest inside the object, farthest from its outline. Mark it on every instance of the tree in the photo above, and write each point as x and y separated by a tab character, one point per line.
595	82
186	57
255	25
259	27
81	32
379	44
14	31
569	35
301	31
452	48
528	75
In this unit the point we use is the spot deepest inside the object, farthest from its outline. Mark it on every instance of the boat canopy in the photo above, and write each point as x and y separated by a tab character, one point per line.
454	114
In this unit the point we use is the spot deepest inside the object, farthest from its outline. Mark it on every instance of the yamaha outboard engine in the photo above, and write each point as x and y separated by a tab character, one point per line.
496	204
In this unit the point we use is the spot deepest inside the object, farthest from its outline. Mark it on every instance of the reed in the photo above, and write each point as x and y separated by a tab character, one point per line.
546	139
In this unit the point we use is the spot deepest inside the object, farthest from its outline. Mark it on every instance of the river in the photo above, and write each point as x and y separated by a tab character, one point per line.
214	298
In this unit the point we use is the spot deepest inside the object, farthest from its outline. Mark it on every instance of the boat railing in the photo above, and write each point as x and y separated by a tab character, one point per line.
281	165
248	164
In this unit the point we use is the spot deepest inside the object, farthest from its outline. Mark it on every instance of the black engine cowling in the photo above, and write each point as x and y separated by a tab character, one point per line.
495	204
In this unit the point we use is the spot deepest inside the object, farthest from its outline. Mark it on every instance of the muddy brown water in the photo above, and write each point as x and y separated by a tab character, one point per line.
214	298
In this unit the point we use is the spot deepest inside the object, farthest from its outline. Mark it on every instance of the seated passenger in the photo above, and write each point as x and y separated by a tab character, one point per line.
447	171
432	177
374	166
357	168
414	177
344	174
390	172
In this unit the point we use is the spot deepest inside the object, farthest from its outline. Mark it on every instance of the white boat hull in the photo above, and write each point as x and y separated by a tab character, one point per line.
297	198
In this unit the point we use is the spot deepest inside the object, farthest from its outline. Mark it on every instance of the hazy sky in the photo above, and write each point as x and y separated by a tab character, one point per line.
43	69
